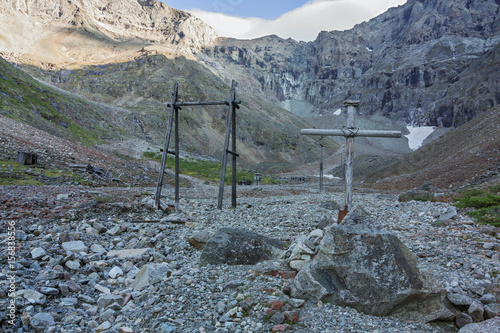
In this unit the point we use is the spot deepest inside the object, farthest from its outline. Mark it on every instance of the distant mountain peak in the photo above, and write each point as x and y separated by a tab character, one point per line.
61	30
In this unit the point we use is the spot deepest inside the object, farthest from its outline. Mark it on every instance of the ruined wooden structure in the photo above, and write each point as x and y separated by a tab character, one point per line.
173	122
26	158
350	131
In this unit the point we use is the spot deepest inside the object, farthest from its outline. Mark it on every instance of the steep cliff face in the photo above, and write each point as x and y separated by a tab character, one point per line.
431	62
75	31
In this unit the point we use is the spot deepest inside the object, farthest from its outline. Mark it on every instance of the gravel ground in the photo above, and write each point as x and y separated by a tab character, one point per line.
87	289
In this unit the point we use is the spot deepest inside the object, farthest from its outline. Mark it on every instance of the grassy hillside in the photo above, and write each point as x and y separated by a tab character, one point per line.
26	100
143	87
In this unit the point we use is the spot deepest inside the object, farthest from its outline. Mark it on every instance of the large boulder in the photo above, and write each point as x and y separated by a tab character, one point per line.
240	247
362	266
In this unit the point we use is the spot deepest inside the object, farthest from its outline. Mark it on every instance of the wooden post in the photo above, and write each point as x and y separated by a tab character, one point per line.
230	127
321	168
177	156
349	172
233	146
165	146
350	132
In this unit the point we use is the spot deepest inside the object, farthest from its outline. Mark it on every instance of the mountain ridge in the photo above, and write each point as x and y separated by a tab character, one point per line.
427	62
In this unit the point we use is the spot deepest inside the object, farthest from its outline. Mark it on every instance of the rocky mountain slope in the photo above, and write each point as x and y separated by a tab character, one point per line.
468	155
107	60
57	33
424	63
427	62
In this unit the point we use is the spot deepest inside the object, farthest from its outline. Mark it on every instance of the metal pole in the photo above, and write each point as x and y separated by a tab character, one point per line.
165	146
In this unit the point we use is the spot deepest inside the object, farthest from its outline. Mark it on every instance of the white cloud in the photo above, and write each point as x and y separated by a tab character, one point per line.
303	23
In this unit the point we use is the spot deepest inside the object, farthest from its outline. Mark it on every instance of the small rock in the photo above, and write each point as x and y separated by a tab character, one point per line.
102	289
106	315
282	328
49	291
296	302
277	305
220	307
166	328
73	264
64	196
277	318
41	321
97	248
103	327
460	300
125	329
149	275
476	311
115	272
199	239
127	253
463	319
297	264
34	297
38	253
488	299
450	214
115	231
291	317
106	300
488	326
99	227
492	310
74	247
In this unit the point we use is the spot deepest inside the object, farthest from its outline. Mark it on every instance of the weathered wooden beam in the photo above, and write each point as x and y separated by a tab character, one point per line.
205	103
233	153
165	147
352	132
230	129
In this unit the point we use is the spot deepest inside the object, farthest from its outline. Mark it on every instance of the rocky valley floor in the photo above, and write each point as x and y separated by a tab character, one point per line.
103	260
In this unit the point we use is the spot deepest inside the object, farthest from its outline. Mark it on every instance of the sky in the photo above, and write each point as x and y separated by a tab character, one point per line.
297	19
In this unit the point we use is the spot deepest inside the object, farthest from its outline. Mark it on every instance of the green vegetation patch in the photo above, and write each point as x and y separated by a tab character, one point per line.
28	101
207	170
484	205
12	173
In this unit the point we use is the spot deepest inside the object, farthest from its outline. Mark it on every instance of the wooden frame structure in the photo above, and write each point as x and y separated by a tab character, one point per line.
173	121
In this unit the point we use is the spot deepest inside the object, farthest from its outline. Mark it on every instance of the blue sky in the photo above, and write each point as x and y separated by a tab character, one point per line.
297	19
270	9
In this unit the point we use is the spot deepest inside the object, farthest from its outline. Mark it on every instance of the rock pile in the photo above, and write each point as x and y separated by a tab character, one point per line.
104	272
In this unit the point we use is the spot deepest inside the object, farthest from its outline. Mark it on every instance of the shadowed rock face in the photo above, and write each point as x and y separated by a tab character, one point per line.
362	266
418	63
239	247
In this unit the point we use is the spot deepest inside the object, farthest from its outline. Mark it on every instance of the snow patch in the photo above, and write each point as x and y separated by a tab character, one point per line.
338	112
331	177
418	135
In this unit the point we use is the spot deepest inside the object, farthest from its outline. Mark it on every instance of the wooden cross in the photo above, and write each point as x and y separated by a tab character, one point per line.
350	132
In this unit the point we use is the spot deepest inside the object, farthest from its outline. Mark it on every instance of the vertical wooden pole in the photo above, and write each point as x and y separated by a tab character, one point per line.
165	146
229	122
177	155
349	157
349	172
233	146
321	170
